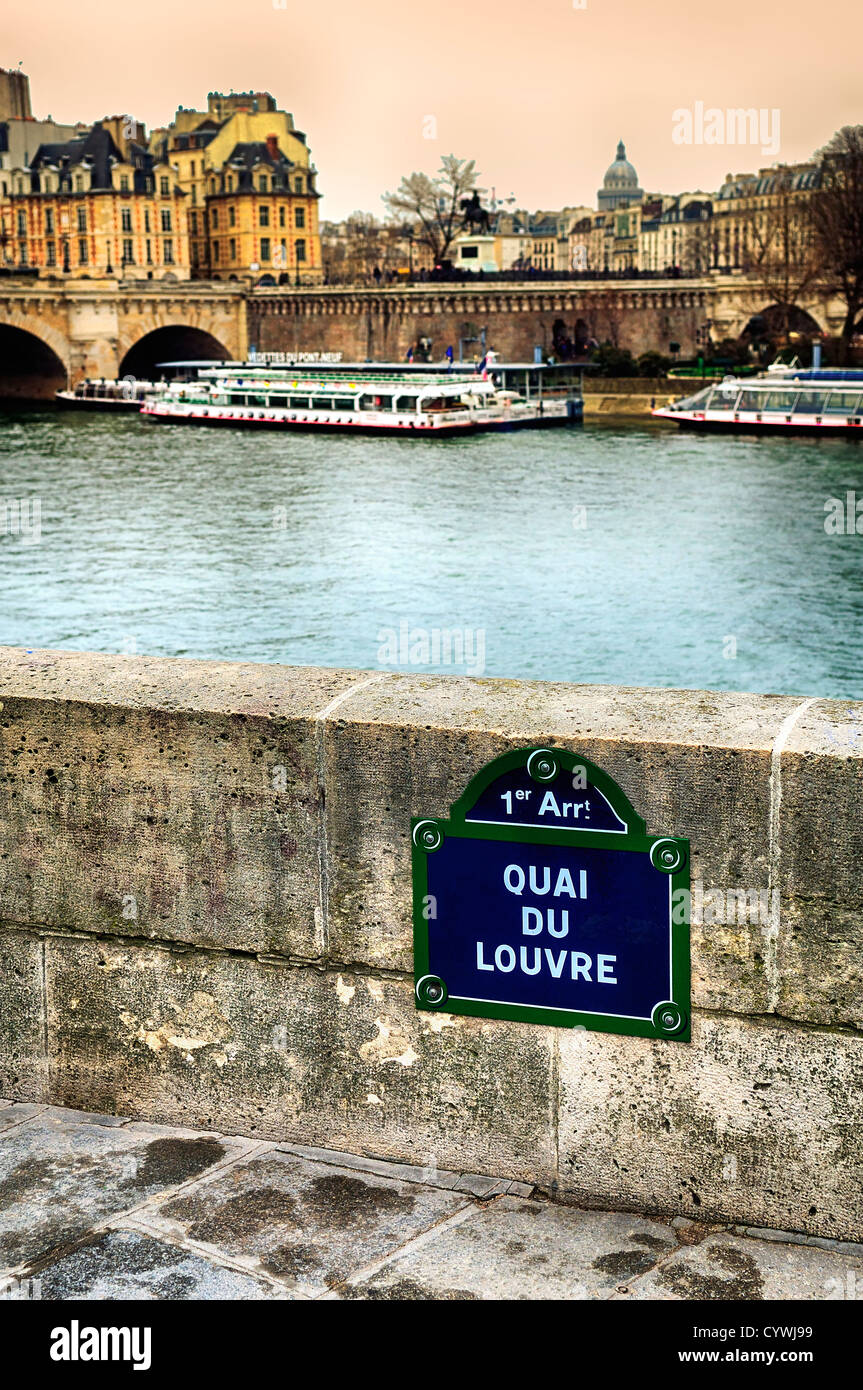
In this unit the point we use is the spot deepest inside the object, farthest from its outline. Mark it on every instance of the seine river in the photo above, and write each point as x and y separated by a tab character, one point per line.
625	554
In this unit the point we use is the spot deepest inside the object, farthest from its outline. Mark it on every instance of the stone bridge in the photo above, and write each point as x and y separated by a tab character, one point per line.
53	332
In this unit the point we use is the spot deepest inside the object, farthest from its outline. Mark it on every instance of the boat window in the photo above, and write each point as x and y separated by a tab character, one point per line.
723	399
810	402
696	402
781	400
751	400
343	403
321	403
841	403
279	402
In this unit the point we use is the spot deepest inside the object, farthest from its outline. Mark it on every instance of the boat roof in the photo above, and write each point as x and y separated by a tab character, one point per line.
431	383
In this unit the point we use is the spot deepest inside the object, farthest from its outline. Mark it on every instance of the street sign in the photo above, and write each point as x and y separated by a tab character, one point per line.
542	899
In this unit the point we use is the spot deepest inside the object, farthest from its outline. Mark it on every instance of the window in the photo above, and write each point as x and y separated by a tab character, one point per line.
298	185
164	186
168	251
22	222
22	252
263	217
50	253
124	183
49	220
215	245
265	248
83	258
214	217
841	403
126	219
166	219
193	223
301	249
262	183
233	249
232	216
147	219
82	219
299	217
128	253
79	184
149	252
810	402
192	167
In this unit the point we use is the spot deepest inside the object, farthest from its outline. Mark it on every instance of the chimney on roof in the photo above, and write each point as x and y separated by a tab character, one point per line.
273	146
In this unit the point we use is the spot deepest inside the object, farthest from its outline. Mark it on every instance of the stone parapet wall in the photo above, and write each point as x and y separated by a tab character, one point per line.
205	919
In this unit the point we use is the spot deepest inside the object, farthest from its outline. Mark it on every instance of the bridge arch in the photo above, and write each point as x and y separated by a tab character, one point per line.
770	322
172	342
34	359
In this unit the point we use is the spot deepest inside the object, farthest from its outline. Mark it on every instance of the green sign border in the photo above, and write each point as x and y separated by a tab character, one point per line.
669	855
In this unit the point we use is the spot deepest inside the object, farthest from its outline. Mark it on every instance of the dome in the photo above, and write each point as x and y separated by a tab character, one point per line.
620	184
620	174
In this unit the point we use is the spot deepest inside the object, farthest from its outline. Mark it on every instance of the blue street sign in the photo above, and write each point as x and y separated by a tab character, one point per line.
543	899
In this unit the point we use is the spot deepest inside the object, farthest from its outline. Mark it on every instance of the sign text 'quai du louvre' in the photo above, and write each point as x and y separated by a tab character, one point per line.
542	899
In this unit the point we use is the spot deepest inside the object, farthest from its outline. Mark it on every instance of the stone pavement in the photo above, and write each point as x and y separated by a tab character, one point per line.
99	1207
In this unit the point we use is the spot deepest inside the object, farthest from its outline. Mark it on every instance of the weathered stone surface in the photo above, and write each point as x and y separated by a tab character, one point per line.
59	1176
160	798
321	1058
734	1268
22	1017
131	1265
310	1225
820	947
524	1250
749	1117
691	763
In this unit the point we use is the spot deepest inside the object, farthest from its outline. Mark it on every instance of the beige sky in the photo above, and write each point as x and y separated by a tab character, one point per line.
538	93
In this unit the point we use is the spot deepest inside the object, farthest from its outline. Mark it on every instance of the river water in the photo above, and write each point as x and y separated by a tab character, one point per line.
623	554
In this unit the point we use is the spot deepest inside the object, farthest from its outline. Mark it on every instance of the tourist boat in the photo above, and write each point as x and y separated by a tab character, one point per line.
787	401
439	403
103	394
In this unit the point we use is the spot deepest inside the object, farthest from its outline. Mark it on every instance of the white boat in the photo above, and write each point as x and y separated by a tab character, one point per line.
403	403
787	401
97	393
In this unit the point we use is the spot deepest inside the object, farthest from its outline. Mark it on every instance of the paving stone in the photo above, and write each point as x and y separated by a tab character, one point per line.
523	1250
17	1114
123	1264
735	1268
308	1224
429	1176
59	1176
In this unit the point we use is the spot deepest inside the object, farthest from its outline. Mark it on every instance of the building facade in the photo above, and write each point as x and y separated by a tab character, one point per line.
83	208
251	186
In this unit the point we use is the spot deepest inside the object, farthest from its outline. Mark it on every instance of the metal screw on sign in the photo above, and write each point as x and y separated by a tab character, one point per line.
427	836
667	856
431	990
543	765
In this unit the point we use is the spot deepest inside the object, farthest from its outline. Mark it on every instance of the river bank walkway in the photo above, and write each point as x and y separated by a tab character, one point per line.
101	1207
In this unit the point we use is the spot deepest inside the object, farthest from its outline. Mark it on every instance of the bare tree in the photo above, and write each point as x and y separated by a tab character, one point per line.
837	213
434	205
